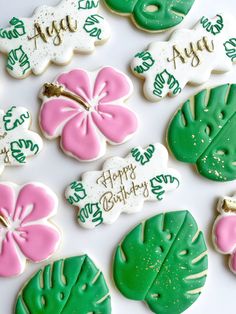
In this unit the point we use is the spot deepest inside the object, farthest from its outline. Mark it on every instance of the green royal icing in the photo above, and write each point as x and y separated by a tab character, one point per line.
72	285
157	184
91	26
146	60
18	58
153	15
79	193
88	4
230	48
203	133
143	157
20	149
91	212
17	30
162	262
11	122
213	28
164	79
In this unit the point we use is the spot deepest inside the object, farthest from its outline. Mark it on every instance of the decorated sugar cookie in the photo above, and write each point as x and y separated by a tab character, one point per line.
202	132
70	285
87	110
163	262
224	230
52	34
17	142
122	186
188	57
152	16
25	230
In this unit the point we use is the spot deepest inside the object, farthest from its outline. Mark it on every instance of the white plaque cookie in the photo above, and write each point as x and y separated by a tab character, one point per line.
122	186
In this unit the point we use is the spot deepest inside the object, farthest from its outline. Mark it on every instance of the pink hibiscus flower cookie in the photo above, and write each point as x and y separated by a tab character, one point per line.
86	109
25	230
224	230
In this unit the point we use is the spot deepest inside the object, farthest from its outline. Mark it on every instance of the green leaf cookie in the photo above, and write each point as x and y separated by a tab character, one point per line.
203	133
152	15
72	285
163	262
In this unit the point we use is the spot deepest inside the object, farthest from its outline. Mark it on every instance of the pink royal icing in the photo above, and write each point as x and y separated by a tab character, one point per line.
84	133
224	233
25	232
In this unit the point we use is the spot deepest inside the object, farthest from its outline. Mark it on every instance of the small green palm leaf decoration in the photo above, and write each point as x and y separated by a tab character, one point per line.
23	148
163	262
203	133
72	285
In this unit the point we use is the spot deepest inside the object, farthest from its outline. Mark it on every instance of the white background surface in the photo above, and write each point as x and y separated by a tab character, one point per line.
56	170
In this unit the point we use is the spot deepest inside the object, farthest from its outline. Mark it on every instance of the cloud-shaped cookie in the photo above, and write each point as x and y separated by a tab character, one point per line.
122	186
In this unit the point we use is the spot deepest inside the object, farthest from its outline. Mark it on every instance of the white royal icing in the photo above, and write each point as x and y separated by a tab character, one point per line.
122	186
52	34
188	57
17	142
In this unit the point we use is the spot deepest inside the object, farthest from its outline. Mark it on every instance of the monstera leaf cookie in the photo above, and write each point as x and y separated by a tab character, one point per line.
224	230
163	262
123	185
203	133
152	16
17	142
71	285
52	34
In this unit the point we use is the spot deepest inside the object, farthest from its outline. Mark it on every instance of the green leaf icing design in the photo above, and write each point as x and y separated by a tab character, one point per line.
93	211
153	15
143	156
22	148
166	80
163	262
230	48
12	120
17	58
91	26
72	285
16	31
158	183
146	60
78	193
203	133
88	4
213	28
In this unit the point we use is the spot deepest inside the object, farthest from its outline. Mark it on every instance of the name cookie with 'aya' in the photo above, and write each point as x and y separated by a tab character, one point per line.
52	34
188	57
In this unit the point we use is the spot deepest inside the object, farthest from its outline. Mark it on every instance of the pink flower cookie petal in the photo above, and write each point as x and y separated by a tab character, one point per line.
37	242
34	202
55	113
111	85
225	233
26	232
7	200
10	262
80	139
78	82
117	123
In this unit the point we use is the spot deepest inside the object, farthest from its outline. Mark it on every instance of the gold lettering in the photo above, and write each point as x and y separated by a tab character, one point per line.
54	31
191	52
